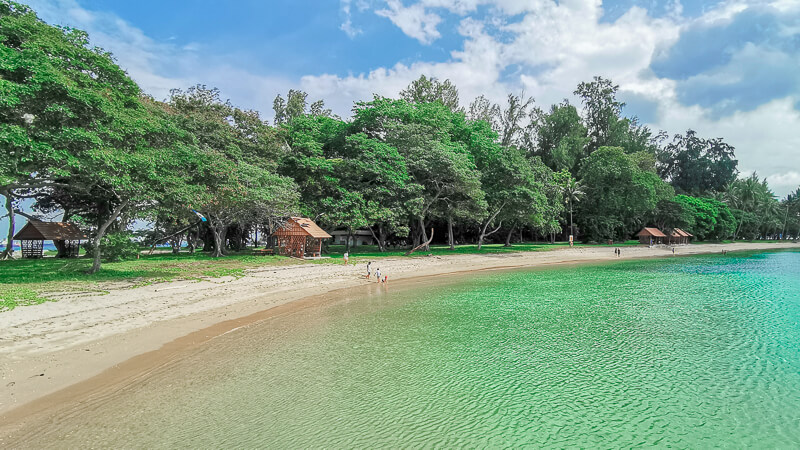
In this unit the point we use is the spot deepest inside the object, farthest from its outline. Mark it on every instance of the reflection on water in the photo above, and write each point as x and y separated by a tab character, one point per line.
686	352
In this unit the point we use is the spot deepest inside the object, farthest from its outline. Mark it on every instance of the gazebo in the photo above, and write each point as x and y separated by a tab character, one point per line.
66	237
300	237
651	236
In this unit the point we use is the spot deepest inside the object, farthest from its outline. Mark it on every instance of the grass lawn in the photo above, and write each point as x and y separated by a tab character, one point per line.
27	281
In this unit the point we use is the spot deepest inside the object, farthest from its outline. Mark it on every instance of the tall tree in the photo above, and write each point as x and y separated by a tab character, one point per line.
619	196
559	138
697	166
601	110
429	90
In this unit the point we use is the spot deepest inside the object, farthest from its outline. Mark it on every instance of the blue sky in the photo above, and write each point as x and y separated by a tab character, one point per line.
724	68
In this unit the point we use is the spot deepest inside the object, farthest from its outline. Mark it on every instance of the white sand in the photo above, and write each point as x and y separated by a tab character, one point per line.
47	347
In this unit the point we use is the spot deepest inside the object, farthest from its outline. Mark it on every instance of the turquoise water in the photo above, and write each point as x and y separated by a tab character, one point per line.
684	352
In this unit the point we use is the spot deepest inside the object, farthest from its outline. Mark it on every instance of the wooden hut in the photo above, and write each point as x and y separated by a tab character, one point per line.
66	237
651	236
679	236
300	237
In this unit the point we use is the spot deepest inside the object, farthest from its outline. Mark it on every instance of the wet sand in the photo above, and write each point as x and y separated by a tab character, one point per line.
58	355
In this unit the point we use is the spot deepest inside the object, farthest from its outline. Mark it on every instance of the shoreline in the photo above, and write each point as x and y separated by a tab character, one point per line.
56	354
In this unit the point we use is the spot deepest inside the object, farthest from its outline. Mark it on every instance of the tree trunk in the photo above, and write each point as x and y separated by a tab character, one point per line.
424	244
101	231
450	239
219	243
377	238
486	225
382	237
423	235
508	237
349	238
10	244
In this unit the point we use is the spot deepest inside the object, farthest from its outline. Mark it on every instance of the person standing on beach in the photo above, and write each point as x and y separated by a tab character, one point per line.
378	274
368	269
346	257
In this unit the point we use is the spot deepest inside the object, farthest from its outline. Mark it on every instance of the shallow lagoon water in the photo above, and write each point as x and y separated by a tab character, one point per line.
686	352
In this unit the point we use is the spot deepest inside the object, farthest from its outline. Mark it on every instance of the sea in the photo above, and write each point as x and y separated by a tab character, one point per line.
687	352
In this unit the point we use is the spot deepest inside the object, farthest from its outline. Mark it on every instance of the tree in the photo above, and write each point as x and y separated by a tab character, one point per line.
434	142
429	90
511	121
230	163
573	193
619	196
559	138
61	100
295	106
708	219
601	111
482	109
697	166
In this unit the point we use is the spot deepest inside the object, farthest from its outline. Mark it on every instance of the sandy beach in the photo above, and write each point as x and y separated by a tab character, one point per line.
54	352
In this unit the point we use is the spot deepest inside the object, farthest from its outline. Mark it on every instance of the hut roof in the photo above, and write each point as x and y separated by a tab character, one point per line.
649	231
681	233
311	228
49	231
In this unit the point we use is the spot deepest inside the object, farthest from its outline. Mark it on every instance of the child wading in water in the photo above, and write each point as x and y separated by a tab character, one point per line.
368	269
378	274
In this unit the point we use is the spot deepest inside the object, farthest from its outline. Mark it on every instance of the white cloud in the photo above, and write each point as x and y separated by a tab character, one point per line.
413	20
159	67
347	25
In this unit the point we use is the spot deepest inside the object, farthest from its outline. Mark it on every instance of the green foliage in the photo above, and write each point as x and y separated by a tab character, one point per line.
619	196
119	247
707	219
429	90
561	138
697	166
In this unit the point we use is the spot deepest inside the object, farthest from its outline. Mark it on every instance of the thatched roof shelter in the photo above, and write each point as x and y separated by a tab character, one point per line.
65	236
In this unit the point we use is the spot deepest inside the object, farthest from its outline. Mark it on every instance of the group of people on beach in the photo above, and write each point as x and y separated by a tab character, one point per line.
378	274
379	277
617	252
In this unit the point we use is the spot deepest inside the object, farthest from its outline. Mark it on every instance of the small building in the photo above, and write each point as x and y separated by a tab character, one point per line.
299	237
66	237
679	236
358	237
651	236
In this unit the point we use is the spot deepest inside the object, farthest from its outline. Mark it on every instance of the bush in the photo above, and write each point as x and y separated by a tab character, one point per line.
116	247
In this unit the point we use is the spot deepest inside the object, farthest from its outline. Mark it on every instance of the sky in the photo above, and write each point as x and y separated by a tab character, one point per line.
722	68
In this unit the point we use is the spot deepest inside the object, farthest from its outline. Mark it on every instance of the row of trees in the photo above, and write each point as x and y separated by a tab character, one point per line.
79	137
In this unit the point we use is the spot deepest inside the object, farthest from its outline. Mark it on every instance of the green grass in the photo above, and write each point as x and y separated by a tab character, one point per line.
27	281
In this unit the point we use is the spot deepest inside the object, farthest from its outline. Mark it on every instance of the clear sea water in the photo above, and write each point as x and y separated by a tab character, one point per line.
688	352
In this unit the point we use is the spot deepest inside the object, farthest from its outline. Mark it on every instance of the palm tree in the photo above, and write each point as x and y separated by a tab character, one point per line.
745	193
573	190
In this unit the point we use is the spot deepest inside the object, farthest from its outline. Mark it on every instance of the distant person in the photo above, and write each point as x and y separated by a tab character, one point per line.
346	258
673	250
369	270
378	274
385	279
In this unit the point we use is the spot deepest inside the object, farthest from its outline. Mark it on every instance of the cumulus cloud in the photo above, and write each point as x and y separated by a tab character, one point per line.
413	20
